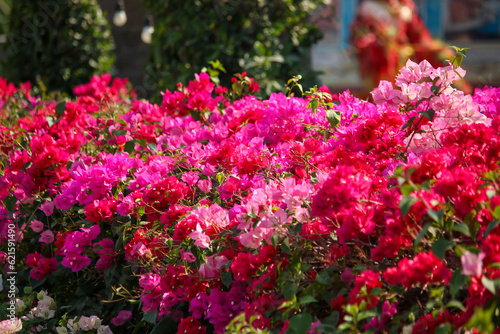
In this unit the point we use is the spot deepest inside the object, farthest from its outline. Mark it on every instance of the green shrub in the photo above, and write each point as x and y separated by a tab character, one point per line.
60	43
270	39
4	15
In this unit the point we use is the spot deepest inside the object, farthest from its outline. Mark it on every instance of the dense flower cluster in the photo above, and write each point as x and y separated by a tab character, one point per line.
210	214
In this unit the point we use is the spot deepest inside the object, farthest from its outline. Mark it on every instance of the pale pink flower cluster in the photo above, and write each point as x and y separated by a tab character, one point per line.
11	326
85	324
270	207
472	264
45	309
452	107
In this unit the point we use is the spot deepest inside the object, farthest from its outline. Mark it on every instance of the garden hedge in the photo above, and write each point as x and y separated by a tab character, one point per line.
56	44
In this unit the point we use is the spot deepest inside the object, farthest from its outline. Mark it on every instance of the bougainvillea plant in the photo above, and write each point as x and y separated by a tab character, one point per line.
217	212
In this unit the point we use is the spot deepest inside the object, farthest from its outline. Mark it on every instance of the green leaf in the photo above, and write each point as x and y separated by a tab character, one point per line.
407	189
443	329
290	290
150	317
35	285
332	319
435	89
50	120
365	314
491	285
313	105
376	291
10	202
496	212
429	114
491	226
274	240
226	278
165	326
462	228
121	121
333	116
286	304
456	304
129	146
118	133
314	178
406	203
153	147
440	247
109	275
285	246
325	328
436	216
482	319
51	324
139	327
324	278
307	299
409	123
421	234
457	282
60	107
300	323
490	193
220	177
217	65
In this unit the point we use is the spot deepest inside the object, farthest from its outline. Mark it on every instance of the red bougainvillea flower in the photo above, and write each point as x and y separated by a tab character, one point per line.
425	268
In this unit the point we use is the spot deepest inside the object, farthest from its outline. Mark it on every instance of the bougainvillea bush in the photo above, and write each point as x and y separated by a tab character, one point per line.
217	212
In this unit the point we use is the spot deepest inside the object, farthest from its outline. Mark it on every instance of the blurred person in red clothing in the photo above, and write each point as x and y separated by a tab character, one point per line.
386	33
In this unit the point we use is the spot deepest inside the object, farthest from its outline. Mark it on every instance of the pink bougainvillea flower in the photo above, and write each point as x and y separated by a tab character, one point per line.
47	208
126	206
213	264
413	72
205	185
191	325
190	178
46	237
187	256
36	226
76	262
472	264
201	239
77	241
107	254
121	318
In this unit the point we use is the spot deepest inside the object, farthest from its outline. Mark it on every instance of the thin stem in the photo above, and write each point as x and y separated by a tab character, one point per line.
413	134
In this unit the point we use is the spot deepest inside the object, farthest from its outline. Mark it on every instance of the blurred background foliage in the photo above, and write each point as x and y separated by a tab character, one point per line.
56	44
270	39
4	16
